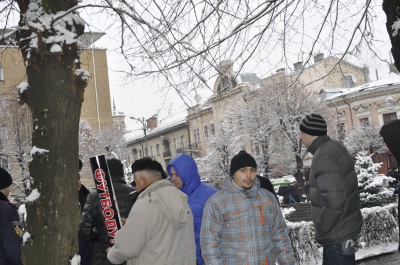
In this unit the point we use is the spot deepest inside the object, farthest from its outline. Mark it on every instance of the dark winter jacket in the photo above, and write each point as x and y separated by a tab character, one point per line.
85	246
197	192
83	193
92	218
10	233
265	183
335	200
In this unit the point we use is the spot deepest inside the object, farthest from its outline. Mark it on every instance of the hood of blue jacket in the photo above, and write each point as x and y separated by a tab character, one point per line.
187	170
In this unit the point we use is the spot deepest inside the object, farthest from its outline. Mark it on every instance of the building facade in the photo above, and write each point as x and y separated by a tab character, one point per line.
191	131
96	107
370	105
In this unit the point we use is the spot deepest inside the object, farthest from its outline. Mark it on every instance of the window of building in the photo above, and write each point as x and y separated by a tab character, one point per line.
158	149
140	154
195	135
1	73
135	153
212	129
388	117
151	151
176	143
342	131
364	122
182	141
198	136
348	81
205	131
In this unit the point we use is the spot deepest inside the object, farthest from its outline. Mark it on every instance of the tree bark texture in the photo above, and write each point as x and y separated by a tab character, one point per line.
55	97
392	10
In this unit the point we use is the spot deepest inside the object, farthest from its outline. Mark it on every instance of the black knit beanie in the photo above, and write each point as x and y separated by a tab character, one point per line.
5	179
313	124
242	159
115	167
146	163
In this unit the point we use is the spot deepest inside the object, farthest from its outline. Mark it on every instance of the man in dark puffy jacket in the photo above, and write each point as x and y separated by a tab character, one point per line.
10	228
92	217
185	176
335	200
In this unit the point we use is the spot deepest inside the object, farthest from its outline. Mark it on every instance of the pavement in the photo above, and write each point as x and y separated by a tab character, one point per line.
384	259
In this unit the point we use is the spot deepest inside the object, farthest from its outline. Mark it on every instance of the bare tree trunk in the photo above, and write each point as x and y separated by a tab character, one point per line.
55	98
392	10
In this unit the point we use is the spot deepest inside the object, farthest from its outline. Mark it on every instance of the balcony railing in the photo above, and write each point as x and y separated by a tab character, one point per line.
194	146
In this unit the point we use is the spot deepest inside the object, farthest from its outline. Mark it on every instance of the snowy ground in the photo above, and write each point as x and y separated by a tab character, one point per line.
365	253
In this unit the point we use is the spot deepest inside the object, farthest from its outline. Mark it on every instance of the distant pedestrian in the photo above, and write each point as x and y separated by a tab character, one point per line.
307	191
10	228
185	176
92	225
291	194
159	230
335	200
242	223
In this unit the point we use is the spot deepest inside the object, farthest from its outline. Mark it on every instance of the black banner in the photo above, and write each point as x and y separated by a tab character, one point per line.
108	202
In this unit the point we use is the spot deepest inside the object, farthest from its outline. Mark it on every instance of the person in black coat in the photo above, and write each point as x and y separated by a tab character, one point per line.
10	227
265	183
92	217
85	246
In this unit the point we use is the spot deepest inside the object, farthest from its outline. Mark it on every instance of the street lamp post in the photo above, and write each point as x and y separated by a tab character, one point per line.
142	121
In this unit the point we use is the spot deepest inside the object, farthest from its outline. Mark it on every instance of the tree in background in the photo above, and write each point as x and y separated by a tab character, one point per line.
289	103
16	144
373	187
177	42
364	138
214	167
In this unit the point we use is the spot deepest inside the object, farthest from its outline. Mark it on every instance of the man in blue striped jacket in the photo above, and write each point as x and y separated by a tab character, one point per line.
243	224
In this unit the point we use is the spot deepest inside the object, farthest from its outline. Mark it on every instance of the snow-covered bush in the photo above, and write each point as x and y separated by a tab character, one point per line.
372	186
379	226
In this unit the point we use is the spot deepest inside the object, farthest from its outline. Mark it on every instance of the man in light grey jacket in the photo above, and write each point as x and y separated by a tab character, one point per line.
159	229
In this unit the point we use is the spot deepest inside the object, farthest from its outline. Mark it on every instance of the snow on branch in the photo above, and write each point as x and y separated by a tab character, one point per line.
83	74
22	87
33	196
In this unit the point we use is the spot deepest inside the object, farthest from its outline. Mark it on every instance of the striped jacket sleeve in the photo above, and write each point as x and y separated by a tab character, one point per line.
211	229
282	244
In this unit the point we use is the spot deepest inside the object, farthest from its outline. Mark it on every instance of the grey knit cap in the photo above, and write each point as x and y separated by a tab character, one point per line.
313	124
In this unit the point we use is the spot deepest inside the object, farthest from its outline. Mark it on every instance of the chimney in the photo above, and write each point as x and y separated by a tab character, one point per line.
151	122
298	66
318	57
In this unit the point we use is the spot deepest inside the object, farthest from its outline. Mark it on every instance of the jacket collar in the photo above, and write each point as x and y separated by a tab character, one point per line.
5	199
155	186
317	143
229	185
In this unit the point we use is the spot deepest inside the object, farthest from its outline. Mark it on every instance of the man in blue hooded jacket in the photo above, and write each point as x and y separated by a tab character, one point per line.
185	176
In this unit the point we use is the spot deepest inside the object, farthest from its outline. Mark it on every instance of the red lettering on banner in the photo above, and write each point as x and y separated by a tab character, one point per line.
105	203
108	213
110	224
99	175
103	186
112	233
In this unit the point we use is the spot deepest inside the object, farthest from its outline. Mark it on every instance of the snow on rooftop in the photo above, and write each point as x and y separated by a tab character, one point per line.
167	122
391	79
